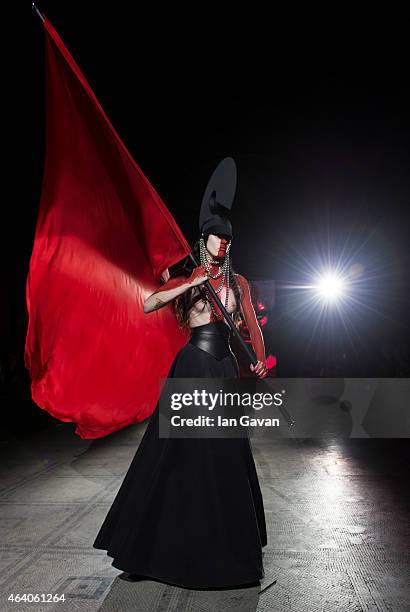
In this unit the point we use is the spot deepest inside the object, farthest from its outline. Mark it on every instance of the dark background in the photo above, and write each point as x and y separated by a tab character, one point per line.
317	121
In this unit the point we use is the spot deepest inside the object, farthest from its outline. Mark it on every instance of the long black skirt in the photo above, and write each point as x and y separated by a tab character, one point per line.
189	511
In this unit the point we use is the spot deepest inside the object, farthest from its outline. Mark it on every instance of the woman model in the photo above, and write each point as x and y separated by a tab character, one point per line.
190	511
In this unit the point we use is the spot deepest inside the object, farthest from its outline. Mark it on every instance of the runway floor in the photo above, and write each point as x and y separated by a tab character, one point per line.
337	514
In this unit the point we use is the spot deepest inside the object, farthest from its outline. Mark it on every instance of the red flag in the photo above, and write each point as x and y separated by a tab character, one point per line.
102	240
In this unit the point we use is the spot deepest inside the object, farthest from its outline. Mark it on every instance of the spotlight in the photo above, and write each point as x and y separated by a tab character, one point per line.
330	287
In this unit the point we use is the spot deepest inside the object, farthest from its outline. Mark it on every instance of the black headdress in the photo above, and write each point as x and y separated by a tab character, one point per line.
218	198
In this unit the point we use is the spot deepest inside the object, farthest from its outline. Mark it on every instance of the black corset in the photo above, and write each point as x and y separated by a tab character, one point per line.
212	338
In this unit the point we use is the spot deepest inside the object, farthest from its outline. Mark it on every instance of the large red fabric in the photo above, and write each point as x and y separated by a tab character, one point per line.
102	240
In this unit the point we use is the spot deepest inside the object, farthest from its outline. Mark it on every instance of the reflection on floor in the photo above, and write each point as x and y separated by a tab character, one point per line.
336	511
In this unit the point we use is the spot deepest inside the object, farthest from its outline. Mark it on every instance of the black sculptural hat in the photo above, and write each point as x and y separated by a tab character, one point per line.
218	199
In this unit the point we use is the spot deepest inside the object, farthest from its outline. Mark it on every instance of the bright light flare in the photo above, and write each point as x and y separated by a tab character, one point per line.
330	287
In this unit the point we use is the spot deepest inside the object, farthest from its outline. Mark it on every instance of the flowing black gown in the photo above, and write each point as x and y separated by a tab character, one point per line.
190	511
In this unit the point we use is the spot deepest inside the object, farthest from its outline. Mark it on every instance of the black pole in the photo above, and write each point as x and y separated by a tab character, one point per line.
227	317
242	342
34	7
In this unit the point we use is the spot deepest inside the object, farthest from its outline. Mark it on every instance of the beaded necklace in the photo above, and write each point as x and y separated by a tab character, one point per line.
223	273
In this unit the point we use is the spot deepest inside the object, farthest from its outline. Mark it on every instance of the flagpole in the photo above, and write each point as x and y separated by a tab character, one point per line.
227	317
34	8
242	342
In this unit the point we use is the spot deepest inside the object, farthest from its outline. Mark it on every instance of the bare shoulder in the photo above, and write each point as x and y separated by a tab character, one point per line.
241	280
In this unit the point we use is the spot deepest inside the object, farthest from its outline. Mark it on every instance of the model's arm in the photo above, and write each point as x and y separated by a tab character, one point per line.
253	326
174	287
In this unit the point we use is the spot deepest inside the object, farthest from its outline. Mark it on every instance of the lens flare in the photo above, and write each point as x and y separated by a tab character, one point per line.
330	287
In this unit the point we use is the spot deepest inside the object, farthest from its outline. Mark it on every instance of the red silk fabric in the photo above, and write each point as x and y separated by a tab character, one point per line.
102	240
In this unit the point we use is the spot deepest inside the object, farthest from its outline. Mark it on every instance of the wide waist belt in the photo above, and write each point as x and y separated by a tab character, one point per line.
212	338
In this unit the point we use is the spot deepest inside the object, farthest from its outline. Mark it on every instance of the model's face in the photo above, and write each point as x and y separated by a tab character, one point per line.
217	244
